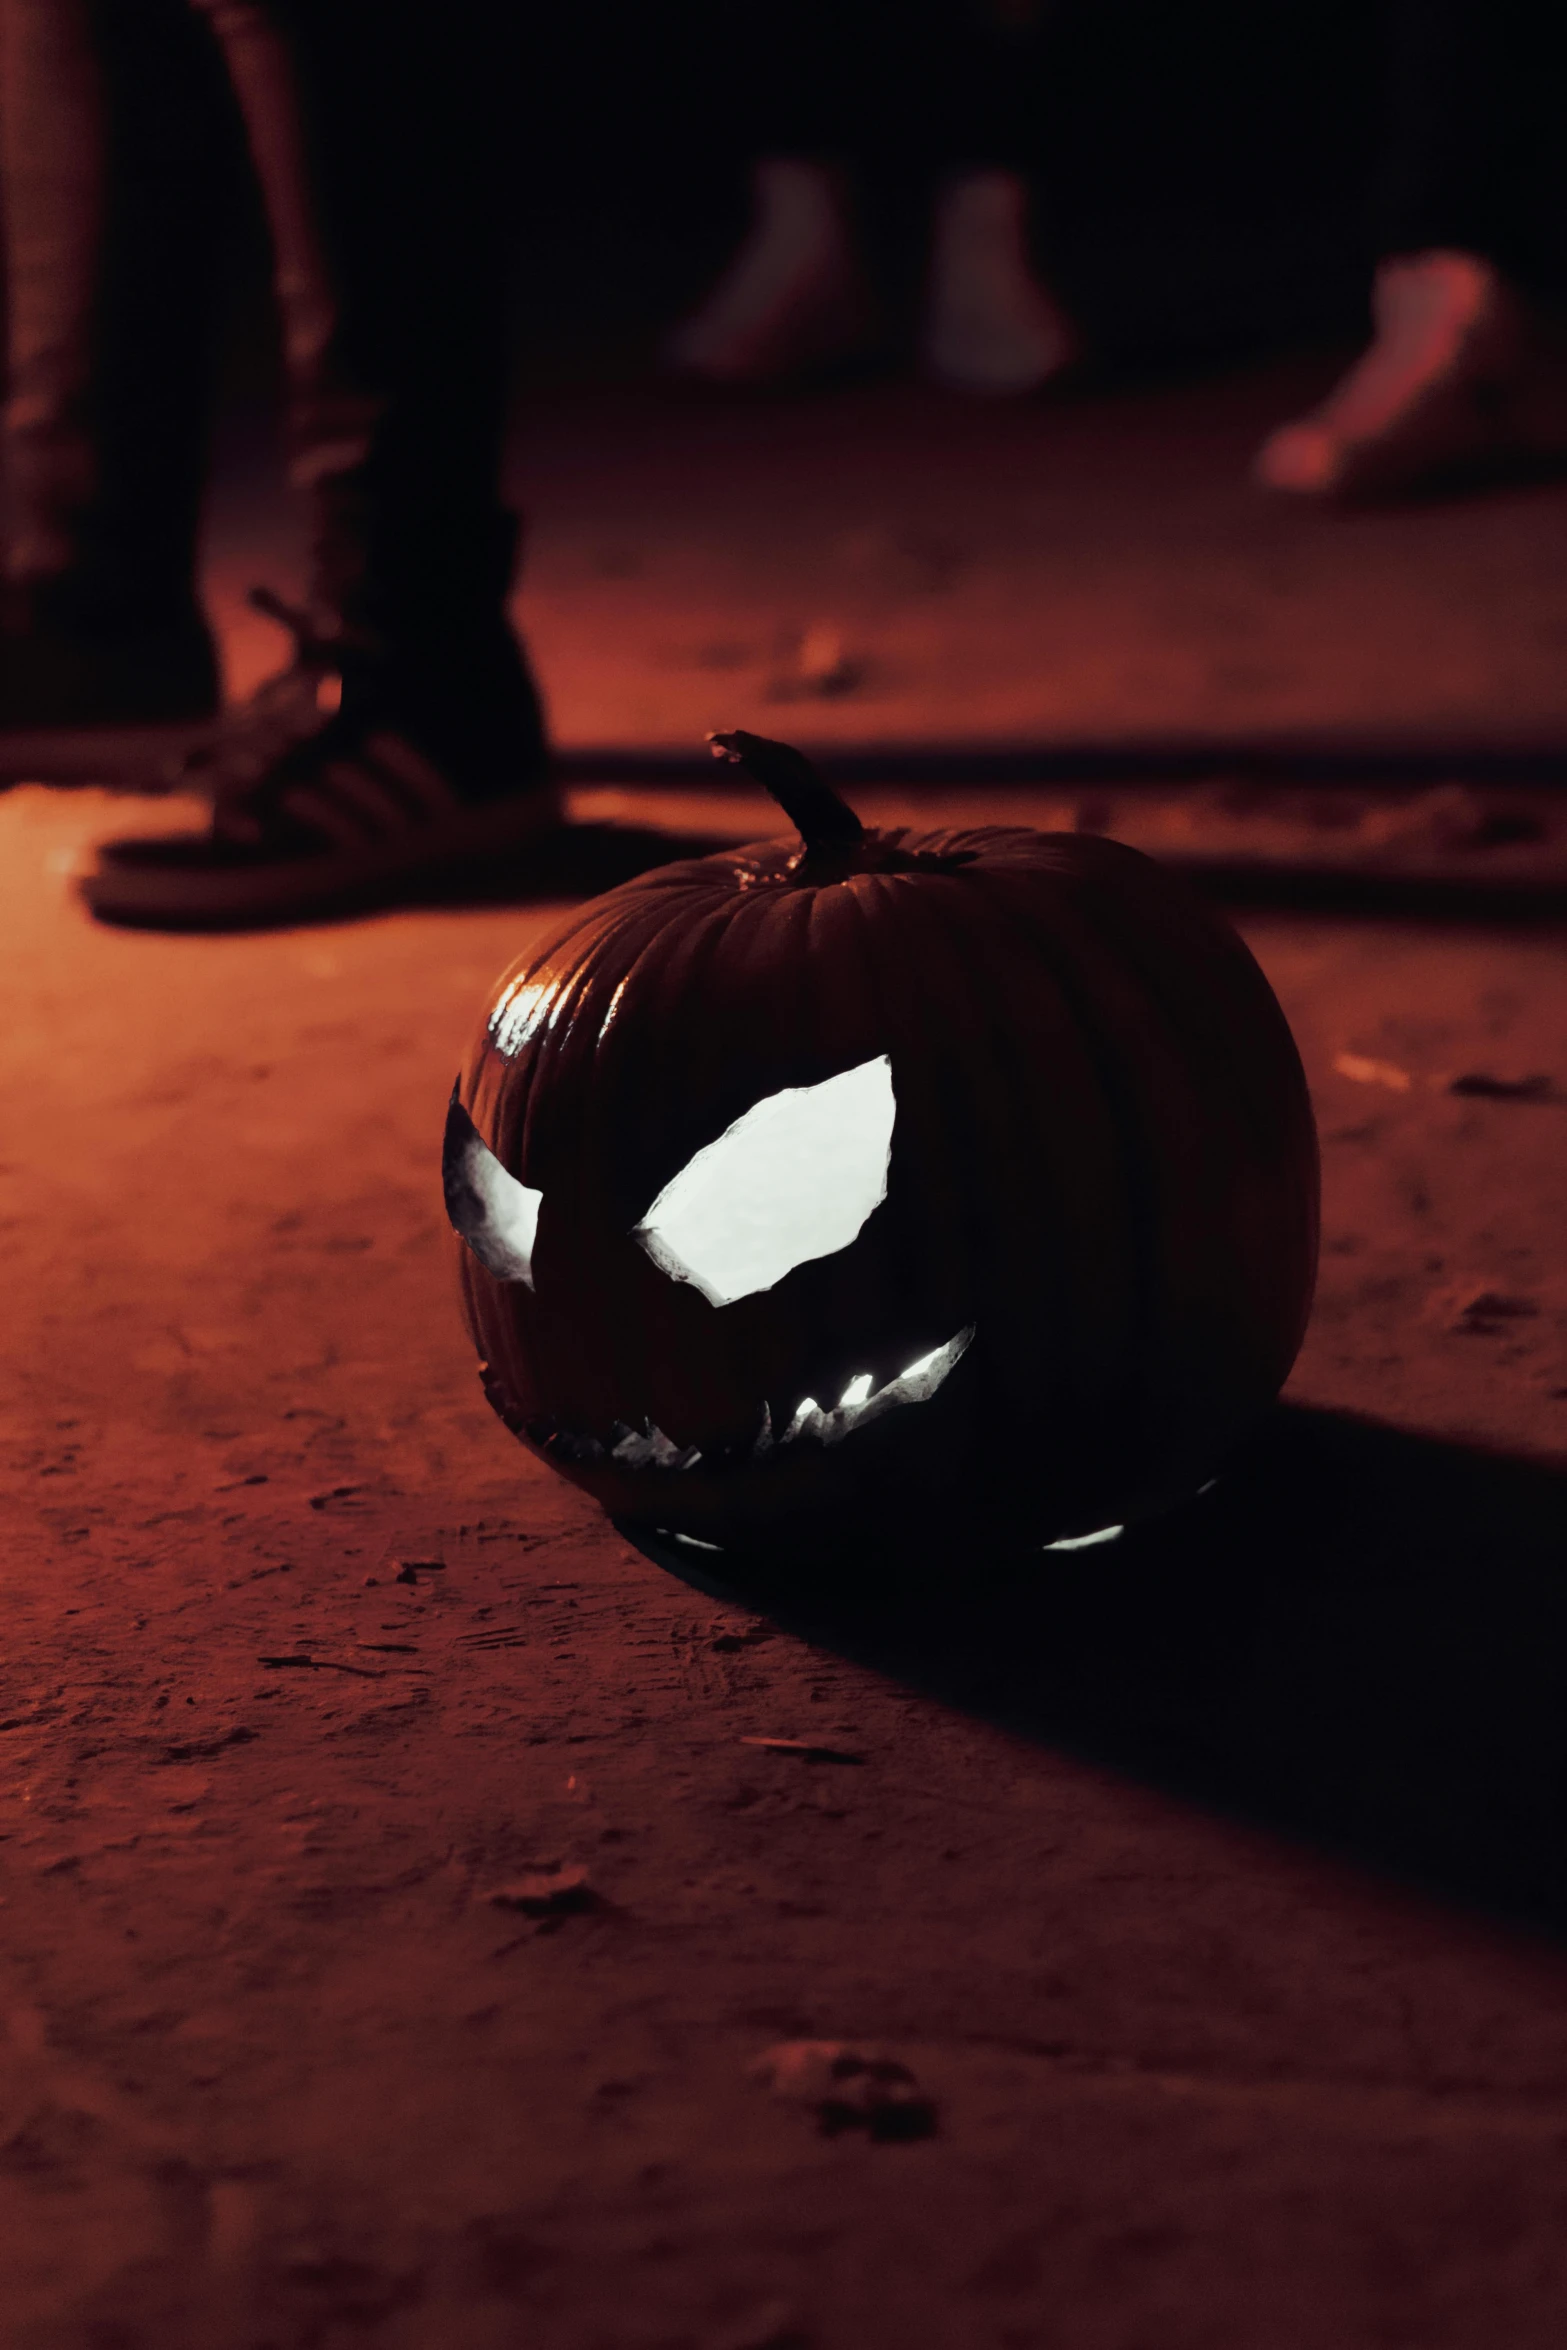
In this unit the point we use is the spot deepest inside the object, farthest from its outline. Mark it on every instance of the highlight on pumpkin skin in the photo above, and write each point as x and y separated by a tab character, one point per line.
524	1009
795	1178
1068	1542
496	1215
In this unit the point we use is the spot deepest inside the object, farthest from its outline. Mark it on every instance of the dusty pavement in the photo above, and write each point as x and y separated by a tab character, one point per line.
889	563
1166	1882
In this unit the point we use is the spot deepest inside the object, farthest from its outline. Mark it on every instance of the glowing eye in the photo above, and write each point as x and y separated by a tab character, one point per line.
495	1214
795	1178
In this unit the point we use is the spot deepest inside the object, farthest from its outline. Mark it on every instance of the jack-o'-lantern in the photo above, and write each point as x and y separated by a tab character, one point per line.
877	1191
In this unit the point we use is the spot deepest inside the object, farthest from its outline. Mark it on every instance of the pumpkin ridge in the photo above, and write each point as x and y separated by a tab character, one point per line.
1026	1134
573	983
1112	1009
1162	1002
871	915
1215	981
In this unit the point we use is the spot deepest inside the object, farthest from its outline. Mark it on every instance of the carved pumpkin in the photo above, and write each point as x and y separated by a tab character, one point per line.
884	1191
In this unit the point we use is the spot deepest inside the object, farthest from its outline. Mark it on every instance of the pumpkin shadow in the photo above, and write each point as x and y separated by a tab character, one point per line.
1357	1636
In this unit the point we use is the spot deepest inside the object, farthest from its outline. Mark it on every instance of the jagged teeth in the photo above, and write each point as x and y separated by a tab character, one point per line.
648	1447
652	1450
861	1403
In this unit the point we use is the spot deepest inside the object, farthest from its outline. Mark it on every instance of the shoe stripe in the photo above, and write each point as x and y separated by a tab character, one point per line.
421	780
370	795
387	790
335	818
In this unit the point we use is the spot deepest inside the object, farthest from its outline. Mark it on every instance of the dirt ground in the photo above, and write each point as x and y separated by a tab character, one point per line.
888	563
1210	1890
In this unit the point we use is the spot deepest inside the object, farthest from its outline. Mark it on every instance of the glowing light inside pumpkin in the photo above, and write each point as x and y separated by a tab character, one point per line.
1087	1541
647	1446
794	1179
495	1214
861	1403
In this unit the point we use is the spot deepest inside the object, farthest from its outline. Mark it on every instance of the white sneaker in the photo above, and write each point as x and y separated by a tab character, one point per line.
990	326
1459	370
793	297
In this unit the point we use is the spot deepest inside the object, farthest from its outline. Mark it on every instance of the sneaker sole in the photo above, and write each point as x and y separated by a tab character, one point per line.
121	755
140	893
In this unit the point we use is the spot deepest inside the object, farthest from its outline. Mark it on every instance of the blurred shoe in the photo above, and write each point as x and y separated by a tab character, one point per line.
990	326
64	680
1461	372
793	298
347	782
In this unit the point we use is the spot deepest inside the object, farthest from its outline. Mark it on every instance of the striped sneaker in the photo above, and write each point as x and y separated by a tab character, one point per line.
343	785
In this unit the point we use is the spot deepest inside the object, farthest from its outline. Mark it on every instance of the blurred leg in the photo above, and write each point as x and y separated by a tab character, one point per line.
376	127
966	94
991	323
795	297
405	738
1466	365
1475	161
860	112
107	163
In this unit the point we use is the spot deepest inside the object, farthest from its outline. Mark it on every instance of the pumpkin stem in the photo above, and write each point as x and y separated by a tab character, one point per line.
825	823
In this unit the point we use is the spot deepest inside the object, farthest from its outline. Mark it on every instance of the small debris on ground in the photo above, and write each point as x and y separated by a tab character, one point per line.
198	1749
728	1643
1479	1312
817	664
319	1664
332	1497
1537	1087
410	1570
848	2088
1363	1071
552	1890
805	1749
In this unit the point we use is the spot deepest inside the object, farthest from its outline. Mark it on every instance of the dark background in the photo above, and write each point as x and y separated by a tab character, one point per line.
1201	175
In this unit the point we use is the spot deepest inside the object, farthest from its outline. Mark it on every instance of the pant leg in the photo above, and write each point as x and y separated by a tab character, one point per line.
377	129
1476	159
109	151
917	86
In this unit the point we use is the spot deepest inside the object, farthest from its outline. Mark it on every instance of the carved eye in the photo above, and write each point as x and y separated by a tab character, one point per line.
495	1214
795	1178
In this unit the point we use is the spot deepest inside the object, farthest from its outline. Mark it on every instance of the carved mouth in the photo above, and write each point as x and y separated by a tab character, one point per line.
647	1447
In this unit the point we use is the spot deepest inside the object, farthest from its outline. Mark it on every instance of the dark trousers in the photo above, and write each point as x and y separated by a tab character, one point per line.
914	86
375	130
1475	157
